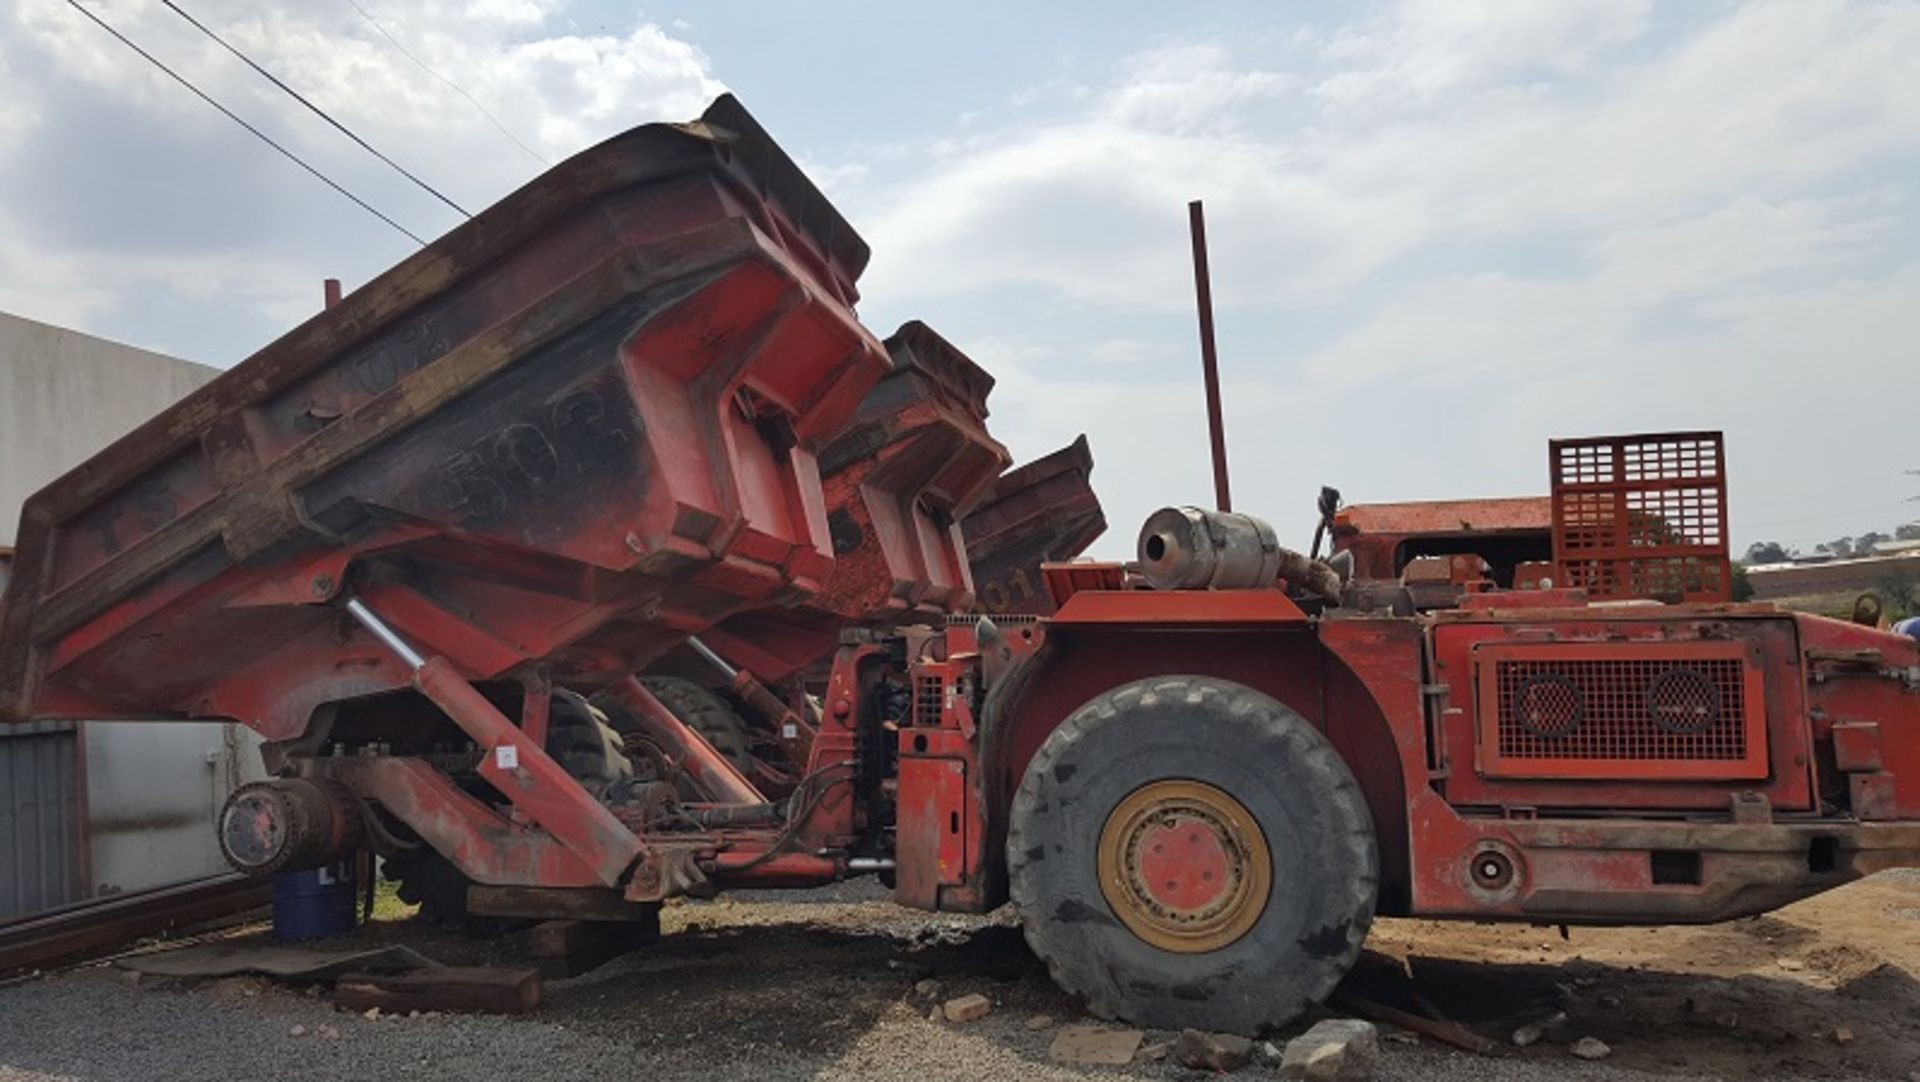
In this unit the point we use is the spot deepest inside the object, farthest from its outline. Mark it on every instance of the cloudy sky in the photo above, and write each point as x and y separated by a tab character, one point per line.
1443	231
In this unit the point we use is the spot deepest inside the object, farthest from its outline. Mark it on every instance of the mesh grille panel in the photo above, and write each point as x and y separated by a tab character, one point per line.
928	693
1639	709
1642	516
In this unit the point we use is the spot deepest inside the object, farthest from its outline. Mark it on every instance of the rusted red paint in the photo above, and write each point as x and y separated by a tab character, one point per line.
1178	608
709	769
632	403
528	777
1642	516
1044	511
1383	537
665	315
1464	646
1530	513
1857	677
938	825
488	846
895	484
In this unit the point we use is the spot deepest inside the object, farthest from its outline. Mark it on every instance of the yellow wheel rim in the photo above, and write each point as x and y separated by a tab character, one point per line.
1184	866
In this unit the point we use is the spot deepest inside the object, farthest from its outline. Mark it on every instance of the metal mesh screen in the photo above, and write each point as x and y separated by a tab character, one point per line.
1642	516
1640	710
928	694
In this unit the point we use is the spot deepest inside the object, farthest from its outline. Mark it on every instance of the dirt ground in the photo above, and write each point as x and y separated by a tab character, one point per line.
822	985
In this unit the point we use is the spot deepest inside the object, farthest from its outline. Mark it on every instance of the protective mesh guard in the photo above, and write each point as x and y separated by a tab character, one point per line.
1642	516
1598	710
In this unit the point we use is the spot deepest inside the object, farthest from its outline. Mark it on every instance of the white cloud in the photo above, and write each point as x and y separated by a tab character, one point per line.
1441	231
1405	57
119	185
1459	229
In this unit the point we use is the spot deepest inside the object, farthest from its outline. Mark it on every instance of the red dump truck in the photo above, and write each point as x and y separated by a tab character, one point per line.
424	542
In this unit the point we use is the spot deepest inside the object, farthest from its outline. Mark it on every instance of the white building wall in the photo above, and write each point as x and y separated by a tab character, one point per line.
65	395
151	789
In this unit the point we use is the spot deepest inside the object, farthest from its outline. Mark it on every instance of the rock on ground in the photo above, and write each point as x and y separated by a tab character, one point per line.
1590	1048
1211	1051
967	1008
1346	1049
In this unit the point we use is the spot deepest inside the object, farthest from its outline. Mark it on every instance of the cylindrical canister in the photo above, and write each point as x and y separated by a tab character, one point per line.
314	903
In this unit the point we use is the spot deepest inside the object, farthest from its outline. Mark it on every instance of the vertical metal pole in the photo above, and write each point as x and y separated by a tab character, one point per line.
1209	362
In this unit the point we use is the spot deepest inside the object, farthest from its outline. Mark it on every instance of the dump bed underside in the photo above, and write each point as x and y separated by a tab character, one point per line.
584	421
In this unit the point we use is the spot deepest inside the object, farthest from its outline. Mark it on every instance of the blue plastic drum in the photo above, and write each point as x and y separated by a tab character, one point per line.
314	903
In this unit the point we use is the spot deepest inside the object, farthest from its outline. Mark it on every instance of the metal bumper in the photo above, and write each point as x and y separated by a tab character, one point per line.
1604	873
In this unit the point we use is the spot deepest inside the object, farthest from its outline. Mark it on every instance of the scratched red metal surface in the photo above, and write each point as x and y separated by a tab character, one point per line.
897	482
1448	516
1042	512
1608	750
572	430
1383	536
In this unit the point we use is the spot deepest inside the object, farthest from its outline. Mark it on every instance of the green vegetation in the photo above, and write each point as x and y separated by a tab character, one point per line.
1742	588
387	904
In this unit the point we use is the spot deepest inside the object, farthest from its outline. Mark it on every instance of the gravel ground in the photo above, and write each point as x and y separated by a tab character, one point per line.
821	986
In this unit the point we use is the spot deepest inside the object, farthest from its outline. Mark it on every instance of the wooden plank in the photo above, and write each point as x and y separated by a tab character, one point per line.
443	988
1451	1033
568	948
549	903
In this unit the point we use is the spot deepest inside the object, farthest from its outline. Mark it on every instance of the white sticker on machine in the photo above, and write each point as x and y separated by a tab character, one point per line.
506	757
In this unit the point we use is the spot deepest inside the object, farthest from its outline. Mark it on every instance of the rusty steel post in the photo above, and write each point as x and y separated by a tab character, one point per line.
1209	361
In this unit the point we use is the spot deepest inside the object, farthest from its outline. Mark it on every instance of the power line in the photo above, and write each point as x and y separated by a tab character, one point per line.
315	109
461	90
1825	517
231	115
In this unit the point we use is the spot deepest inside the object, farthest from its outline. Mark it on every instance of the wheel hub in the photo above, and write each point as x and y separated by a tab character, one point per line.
1184	866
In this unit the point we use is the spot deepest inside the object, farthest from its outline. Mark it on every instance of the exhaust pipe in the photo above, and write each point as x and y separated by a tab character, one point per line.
1188	548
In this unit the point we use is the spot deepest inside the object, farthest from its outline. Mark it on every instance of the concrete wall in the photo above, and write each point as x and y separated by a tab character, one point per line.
148	791
65	395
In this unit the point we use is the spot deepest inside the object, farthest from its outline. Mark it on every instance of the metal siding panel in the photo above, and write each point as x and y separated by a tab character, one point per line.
39	809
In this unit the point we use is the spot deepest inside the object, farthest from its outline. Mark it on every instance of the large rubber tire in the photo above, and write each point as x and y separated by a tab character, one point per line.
706	713
1286	776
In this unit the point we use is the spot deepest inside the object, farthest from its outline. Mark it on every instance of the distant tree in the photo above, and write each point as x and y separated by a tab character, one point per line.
1908	532
1896	589
1742	586
1767	552
1842	547
1868	541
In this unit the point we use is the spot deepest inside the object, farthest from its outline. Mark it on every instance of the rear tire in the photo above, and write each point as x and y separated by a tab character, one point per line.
705	712
1288	836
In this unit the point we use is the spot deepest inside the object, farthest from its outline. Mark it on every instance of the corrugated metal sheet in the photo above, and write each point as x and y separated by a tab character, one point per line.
39	817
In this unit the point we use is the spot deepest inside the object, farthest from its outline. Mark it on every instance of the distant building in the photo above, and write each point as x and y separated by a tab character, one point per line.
101	807
1830	576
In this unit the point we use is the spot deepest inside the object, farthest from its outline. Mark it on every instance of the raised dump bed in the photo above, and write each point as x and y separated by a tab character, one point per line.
569	432
897	482
1043	511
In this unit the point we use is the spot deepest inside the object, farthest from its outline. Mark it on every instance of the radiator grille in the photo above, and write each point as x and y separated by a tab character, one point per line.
1627	711
928	695
1640	710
